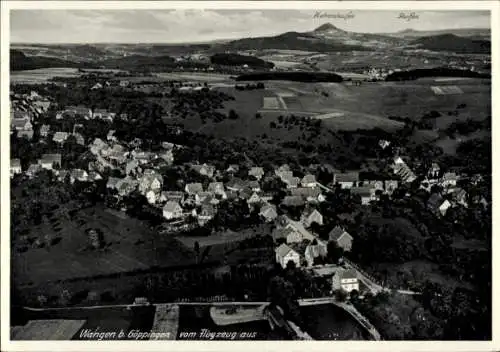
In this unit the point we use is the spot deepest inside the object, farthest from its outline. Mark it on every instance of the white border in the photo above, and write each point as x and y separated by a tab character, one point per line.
290	346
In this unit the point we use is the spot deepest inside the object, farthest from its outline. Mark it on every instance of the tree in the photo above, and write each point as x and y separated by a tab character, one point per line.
233	115
340	295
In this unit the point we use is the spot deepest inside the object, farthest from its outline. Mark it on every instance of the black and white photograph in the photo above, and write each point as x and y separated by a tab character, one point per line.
248	174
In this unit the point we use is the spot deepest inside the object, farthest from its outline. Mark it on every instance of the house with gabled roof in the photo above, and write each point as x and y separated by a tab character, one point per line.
256	172
346	180
434	171
166	196
33	169
201	197
233	168
111	136
80	110
126	185
254	186
94	176
253	200
26	134
346	280
150	180
310	216
449	179
21	124
204	169
308	181
285	254
341	237
366	193
268	212
383	143
44	130
460	197
216	188
297	226
97	146
290	181
315	249
78	175
172	210
207	213
49	161
15	167
79	138
112	182
293	201
282	170
390	186
193	188
438	205
311	195
236	184
60	137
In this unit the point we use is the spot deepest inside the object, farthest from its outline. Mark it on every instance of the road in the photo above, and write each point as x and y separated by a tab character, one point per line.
373	286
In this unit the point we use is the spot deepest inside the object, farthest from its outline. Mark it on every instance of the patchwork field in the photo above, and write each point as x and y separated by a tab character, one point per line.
342	106
130	245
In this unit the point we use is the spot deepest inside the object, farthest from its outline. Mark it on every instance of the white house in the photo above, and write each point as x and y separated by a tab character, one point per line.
346	280
285	254
15	167
172	210
308	181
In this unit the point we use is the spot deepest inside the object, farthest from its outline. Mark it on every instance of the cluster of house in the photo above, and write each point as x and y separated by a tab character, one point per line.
24	109
53	162
450	194
85	112
300	245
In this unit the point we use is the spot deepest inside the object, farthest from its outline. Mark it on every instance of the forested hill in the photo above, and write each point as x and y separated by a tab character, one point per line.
454	43
19	61
239	60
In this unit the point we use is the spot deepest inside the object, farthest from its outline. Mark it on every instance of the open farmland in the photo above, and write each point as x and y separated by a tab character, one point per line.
41	75
129	246
193	76
345	107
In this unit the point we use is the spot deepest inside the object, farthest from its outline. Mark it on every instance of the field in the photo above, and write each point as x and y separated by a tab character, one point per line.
344	107
129	246
192	76
41	75
444	90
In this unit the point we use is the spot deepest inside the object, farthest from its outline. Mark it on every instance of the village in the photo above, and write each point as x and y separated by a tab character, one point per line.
191	203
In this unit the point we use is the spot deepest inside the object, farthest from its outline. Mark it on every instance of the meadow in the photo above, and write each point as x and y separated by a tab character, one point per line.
129	245
41	75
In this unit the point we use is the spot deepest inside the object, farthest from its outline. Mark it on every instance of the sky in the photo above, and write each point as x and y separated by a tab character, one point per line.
197	25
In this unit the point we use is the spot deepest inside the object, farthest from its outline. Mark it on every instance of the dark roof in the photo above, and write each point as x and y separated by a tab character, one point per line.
337	232
347	177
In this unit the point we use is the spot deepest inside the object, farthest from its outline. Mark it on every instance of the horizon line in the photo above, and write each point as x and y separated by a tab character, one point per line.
210	41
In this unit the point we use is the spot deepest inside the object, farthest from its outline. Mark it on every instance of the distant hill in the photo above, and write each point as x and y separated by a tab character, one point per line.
290	41
328	27
19	61
453	43
140	63
483	33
